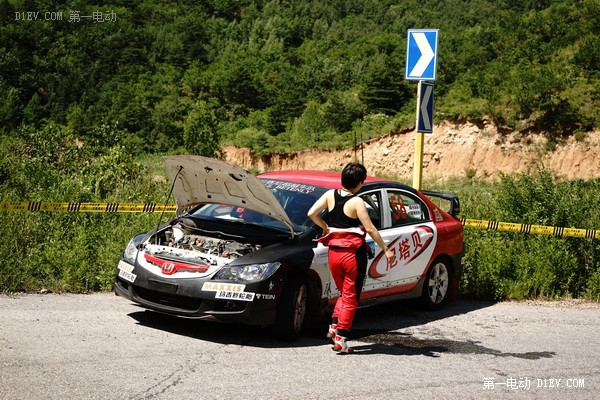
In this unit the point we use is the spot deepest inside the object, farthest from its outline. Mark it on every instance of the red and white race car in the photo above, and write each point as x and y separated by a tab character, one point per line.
244	250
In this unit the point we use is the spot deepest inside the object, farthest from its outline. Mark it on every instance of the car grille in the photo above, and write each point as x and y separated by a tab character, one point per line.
166	299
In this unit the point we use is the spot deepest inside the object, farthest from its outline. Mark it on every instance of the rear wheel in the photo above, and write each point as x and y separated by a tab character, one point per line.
291	310
436	286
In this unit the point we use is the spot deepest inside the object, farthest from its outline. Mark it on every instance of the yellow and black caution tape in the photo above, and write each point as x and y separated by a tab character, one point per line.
153	207
86	207
527	228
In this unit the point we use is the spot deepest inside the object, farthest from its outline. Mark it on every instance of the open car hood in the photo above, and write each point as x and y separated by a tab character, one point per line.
199	180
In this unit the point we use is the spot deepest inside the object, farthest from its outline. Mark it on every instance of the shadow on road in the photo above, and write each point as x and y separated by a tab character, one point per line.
379	326
396	343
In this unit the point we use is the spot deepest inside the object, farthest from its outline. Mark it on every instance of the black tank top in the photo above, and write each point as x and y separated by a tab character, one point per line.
337	217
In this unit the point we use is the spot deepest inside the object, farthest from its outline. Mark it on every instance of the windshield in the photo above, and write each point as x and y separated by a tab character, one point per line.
295	198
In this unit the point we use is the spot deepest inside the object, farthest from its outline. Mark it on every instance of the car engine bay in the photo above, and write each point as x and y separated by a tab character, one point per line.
181	243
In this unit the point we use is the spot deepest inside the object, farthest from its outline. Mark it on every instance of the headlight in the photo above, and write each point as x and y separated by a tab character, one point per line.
130	252
247	273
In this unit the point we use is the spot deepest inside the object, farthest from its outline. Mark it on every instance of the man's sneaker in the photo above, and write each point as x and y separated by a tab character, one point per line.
332	331
340	345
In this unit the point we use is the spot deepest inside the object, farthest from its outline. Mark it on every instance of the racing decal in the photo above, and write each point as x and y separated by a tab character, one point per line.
217	286
265	296
229	291
126	271
244	296
414	210
406	247
290	186
438	215
398	209
320	254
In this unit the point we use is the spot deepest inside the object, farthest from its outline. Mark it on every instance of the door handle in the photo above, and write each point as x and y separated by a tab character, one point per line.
426	235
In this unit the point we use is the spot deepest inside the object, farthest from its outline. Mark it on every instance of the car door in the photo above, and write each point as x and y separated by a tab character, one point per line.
409	232
372	285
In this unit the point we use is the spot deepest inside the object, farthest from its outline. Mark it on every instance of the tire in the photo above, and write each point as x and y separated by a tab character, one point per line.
291	310
436	285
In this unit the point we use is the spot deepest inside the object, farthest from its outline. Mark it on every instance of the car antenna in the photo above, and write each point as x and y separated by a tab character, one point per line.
166	202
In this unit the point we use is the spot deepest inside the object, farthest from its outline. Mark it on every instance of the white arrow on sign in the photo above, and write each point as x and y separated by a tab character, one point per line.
427	54
424	102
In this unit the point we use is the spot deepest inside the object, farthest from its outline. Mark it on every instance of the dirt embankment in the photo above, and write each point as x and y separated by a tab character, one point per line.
459	149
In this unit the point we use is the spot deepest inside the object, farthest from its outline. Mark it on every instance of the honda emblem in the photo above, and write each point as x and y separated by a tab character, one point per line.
168	268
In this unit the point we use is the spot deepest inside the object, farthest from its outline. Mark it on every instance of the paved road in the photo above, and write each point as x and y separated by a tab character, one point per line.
102	347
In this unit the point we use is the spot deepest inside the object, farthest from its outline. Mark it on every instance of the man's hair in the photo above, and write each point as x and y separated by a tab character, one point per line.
353	174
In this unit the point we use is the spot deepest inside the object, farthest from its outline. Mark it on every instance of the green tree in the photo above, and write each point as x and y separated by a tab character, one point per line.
385	91
200	135
342	109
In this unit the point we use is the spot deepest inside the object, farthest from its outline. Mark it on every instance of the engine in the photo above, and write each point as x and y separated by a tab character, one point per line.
178	243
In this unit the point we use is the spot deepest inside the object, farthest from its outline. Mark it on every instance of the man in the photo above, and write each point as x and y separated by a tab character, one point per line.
347	247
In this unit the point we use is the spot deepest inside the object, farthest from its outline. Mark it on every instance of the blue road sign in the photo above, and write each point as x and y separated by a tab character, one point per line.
425	108
421	54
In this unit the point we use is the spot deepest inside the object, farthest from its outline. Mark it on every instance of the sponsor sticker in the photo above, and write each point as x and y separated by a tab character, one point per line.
265	296
244	296
321	255
125	271
407	247
227	287
229	291
290	186
123	266
414	210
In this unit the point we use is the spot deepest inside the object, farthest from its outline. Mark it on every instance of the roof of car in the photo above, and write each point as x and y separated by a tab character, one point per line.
328	179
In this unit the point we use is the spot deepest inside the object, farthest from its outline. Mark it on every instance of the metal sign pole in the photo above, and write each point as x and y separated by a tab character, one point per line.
419	145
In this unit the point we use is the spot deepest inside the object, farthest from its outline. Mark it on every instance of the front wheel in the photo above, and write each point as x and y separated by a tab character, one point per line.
436	286
291	310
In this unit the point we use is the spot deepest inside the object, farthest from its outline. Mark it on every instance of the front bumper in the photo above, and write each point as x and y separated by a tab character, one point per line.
252	304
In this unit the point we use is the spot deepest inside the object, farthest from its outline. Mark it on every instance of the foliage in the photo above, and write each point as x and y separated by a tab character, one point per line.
169	75
65	251
199	136
68	251
504	265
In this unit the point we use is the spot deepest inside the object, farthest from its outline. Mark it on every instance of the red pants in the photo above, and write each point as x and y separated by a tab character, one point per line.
348	267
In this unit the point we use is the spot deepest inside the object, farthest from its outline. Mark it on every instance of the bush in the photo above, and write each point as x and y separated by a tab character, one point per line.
505	265
258	141
593	289
65	251
68	251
